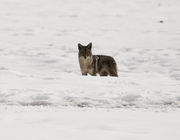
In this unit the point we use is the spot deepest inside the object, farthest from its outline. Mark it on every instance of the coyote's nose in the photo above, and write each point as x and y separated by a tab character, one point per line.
85	57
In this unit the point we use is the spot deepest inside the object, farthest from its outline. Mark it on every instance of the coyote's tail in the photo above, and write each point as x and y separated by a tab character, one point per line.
114	69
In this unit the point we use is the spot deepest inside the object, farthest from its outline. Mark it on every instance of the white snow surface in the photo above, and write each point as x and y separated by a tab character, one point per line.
43	95
43	123
39	55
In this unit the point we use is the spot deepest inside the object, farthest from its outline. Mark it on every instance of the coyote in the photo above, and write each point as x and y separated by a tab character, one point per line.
93	64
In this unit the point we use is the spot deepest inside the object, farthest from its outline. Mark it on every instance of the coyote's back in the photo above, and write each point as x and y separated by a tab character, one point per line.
106	65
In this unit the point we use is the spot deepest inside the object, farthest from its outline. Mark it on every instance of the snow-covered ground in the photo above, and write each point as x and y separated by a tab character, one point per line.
40	79
42	123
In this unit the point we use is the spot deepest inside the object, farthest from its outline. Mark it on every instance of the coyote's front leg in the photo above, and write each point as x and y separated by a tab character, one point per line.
84	73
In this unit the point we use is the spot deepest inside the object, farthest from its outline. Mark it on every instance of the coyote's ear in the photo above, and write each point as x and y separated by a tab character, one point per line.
89	46
79	46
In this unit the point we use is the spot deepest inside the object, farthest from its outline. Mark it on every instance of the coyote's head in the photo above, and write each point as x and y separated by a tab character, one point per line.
85	51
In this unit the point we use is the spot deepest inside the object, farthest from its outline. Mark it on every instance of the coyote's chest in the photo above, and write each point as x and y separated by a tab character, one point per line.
86	65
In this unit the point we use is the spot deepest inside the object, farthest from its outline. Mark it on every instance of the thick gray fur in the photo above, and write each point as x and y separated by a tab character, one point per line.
96	64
